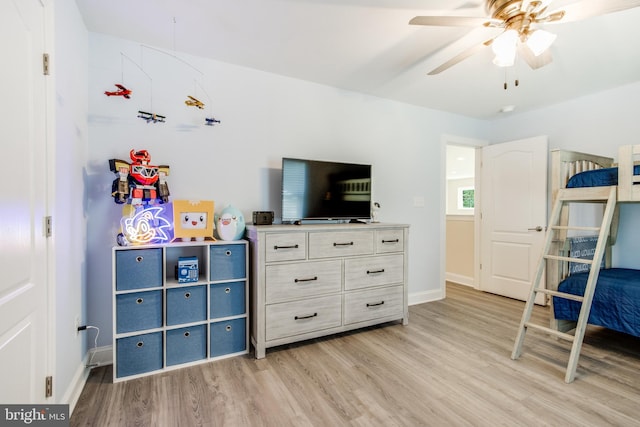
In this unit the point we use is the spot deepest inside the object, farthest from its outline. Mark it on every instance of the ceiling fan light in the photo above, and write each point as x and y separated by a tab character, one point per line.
539	41
504	47
504	61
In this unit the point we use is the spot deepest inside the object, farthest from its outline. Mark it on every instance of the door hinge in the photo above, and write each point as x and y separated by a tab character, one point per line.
45	64
48	386
48	226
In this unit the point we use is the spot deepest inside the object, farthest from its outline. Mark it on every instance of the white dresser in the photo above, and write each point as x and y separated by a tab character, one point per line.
309	281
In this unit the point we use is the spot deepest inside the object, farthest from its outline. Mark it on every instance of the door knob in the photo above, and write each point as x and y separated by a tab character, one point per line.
538	228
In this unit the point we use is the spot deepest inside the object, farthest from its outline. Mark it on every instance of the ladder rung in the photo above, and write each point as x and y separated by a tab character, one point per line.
573	227
561	294
567	258
554	332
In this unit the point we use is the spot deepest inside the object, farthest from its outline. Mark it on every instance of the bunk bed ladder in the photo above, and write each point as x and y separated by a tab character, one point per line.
564	198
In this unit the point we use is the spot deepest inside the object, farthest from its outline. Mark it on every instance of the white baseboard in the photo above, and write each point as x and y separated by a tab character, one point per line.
426	296
460	279
97	357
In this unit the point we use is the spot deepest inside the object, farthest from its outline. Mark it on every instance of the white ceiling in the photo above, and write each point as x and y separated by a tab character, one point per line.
367	46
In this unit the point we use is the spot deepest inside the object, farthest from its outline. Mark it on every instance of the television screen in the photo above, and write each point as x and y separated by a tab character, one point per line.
319	190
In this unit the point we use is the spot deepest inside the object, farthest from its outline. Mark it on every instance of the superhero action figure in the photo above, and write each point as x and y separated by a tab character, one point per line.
139	183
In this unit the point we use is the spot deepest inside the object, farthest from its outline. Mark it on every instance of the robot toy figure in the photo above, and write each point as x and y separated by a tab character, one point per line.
139	183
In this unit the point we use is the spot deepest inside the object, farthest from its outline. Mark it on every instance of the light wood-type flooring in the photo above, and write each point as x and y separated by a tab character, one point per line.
450	366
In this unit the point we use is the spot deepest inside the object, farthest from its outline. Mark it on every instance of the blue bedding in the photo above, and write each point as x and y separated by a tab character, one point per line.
597	178
616	302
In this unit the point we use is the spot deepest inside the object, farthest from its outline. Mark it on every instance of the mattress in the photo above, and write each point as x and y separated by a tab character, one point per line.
597	178
616	302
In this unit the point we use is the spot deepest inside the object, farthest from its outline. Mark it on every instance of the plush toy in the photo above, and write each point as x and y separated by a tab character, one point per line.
193	219
230	224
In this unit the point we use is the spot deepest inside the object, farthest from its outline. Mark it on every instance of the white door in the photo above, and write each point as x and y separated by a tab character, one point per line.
514	215
23	255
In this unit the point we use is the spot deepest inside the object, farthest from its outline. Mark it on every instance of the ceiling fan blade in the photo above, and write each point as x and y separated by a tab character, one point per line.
590	8
533	61
460	57
452	21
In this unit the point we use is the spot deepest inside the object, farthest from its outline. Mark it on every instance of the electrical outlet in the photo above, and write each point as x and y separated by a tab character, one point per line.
76	325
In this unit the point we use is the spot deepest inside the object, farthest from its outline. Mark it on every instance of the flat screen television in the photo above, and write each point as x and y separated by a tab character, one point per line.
321	190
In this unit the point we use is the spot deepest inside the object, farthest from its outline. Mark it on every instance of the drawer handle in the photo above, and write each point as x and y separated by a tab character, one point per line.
139	258
309	316
140	344
375	271
375	304
187	295
186	334
228	328
275	248
391	241
139	300
343	244
228	253
310	279
227	290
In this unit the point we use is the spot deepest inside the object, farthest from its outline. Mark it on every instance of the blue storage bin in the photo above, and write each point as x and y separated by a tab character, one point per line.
227	337
138	311
186	344
227	299
186	304
227	262
138	268
138	354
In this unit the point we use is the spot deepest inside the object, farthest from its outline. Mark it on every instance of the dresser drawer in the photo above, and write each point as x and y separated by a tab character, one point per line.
186	304
227	262
360	306
389	241
138	354
137	311
340	243
293	281
228	337
138	268
285	247
373	271
227	299
299	317
186	344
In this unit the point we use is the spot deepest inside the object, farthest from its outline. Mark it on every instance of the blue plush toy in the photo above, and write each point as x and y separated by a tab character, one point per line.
230	224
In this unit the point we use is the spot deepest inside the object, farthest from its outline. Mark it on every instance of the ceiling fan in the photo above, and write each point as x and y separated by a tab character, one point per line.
521	23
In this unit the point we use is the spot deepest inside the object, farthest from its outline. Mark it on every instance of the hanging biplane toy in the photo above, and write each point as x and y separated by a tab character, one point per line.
122	91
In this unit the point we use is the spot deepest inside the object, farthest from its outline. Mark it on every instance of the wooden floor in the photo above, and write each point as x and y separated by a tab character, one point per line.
450	366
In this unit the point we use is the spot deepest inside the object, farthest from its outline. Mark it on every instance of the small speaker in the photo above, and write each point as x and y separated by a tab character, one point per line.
263	217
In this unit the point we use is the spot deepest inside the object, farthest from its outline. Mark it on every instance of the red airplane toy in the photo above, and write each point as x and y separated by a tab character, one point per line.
122	91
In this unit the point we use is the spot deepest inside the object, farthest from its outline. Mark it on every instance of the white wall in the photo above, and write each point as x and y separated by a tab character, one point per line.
264	117
596	124
70	61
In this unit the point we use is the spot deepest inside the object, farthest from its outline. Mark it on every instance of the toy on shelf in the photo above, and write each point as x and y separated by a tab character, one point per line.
141	187
139	182
230	224
193	219
151	117
122	91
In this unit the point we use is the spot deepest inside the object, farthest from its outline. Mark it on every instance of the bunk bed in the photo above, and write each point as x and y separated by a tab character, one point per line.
616	301
597	294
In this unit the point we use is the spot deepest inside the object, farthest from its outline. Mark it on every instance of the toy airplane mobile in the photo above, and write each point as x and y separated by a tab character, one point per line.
122	91
210	121
151	117
193	102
